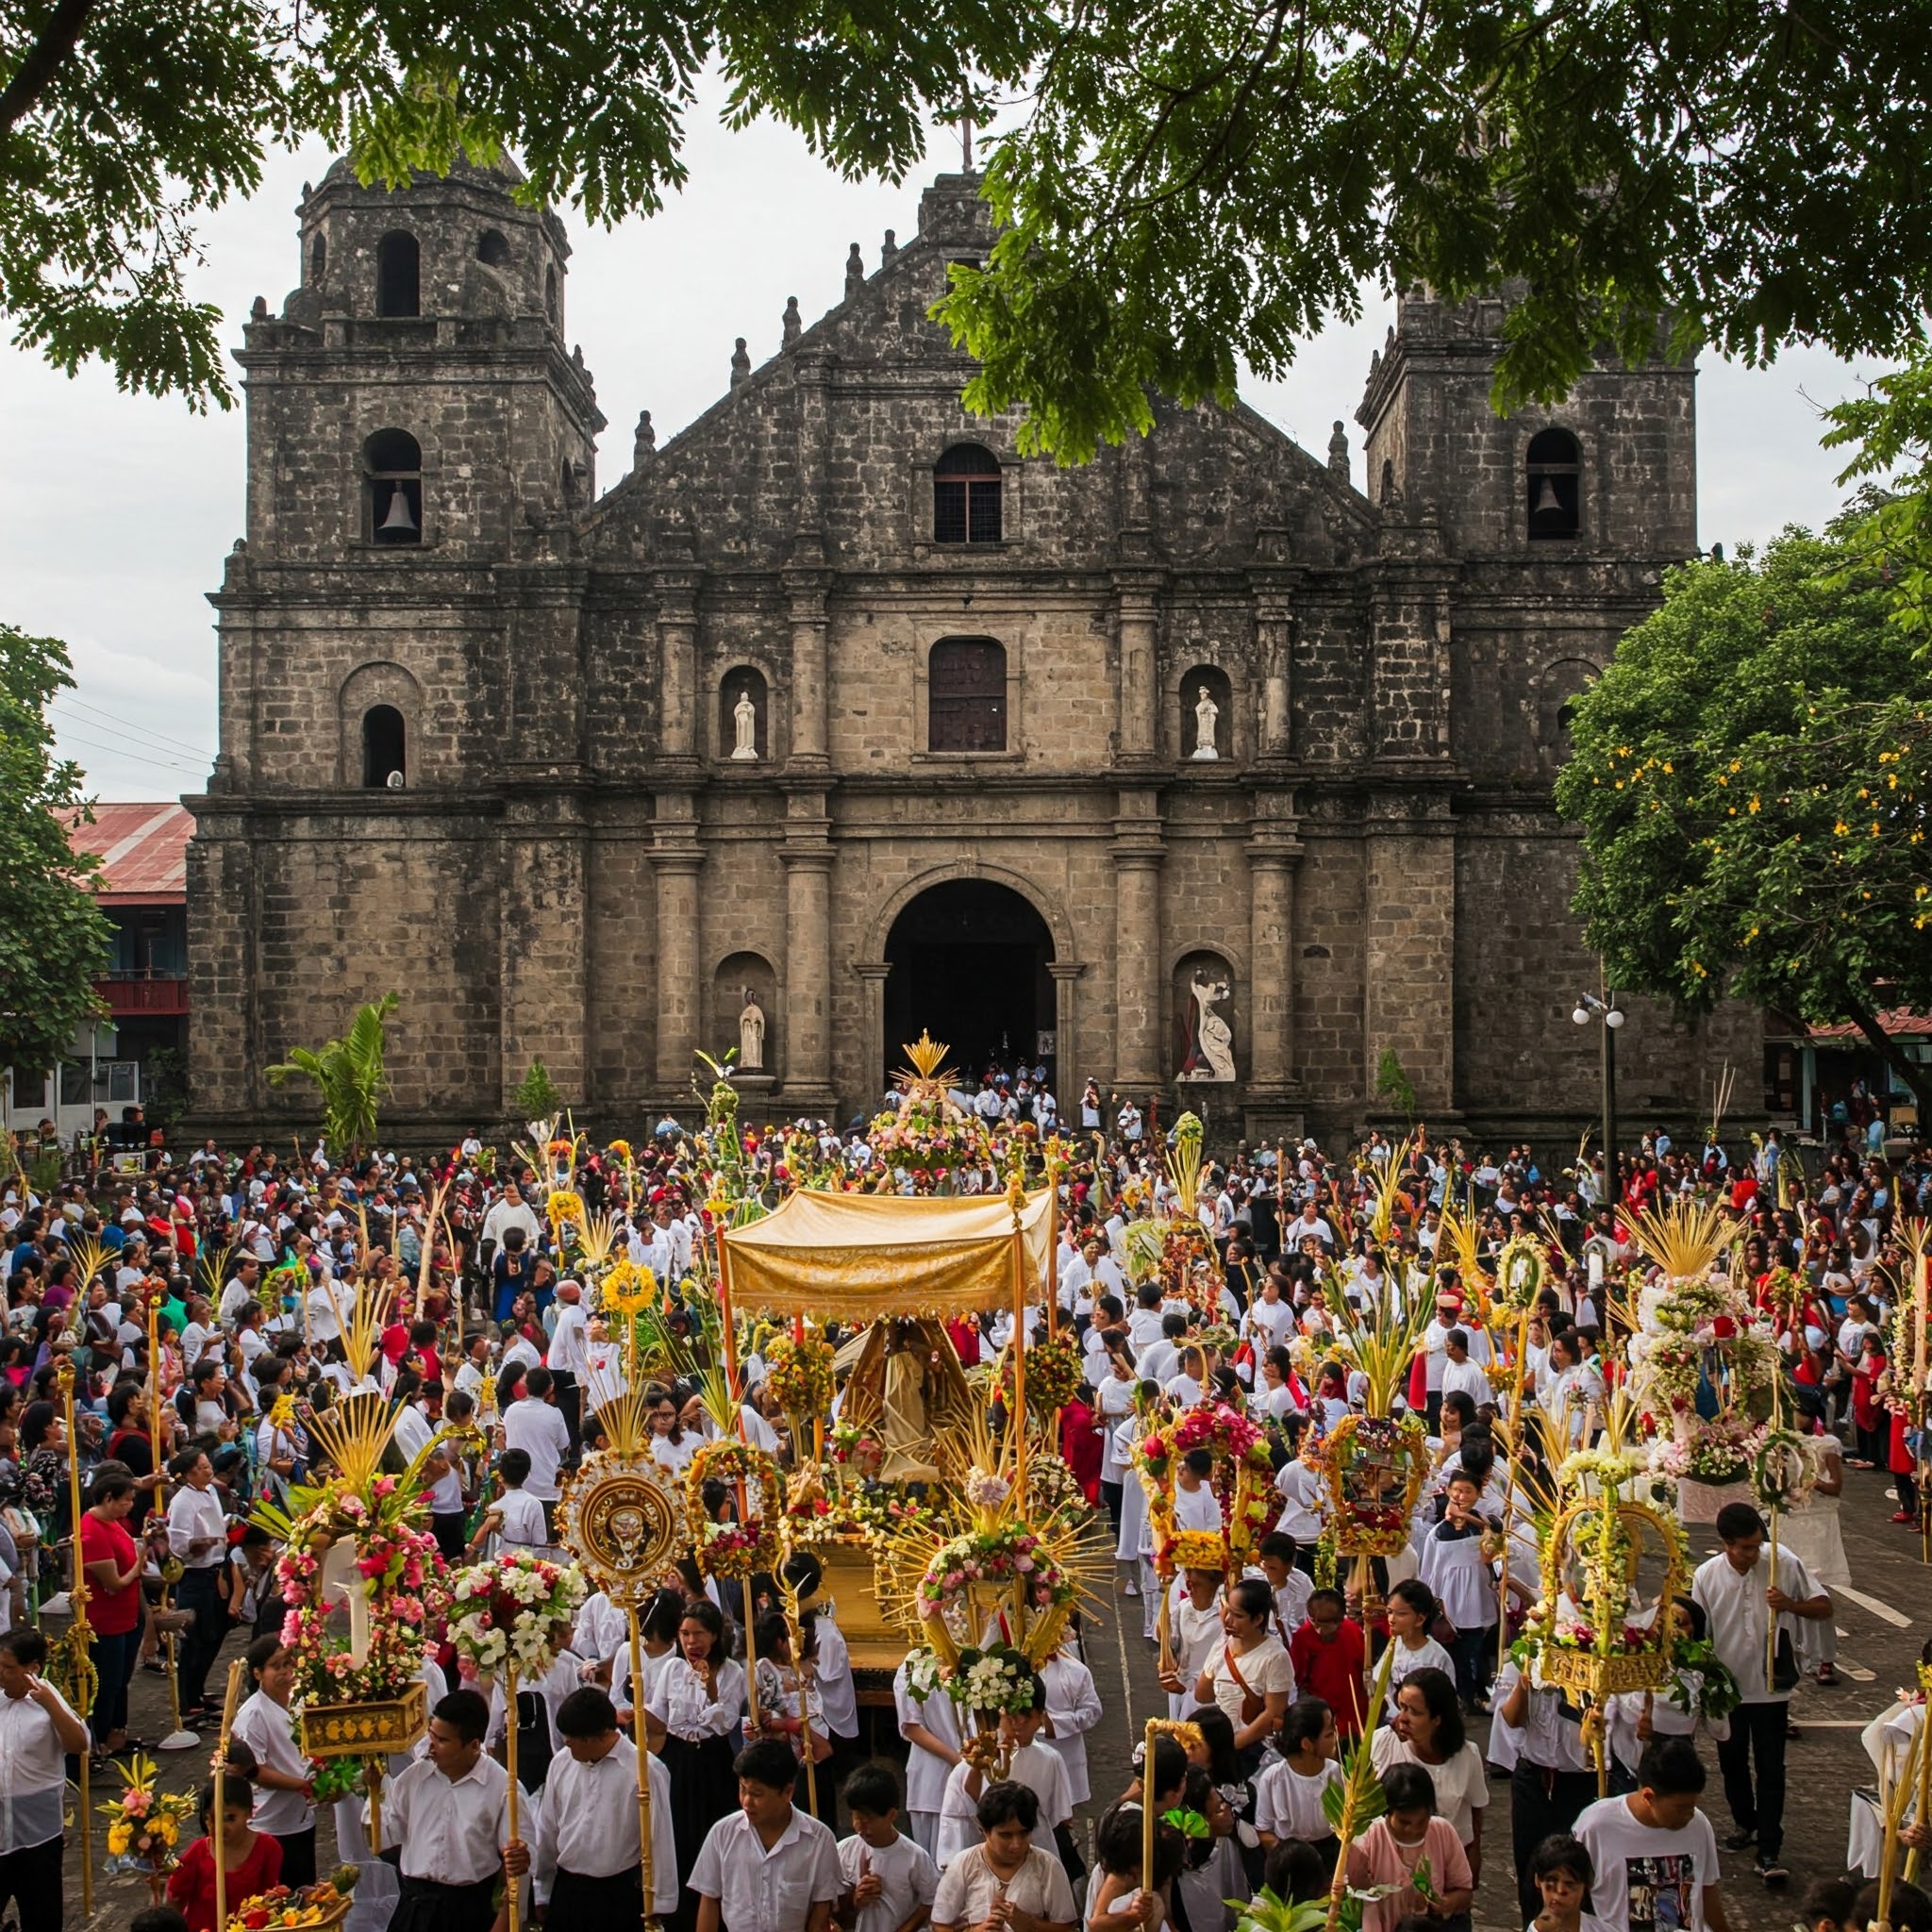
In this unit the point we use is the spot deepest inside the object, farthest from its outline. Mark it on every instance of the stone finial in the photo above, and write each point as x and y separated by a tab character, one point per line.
1338	451
888	247
645	448
741	364
793	322
855	271
576	354
259	310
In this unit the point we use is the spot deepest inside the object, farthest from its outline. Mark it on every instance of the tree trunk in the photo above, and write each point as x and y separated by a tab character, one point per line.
1916	1076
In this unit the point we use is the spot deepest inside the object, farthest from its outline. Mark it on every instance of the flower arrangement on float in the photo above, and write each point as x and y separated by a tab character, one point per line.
799	1372
513	1611
1784	1471
855	1448
279	1910
1373	1466
740	1547
1055	1370
928	1134
1242	1478
359	1543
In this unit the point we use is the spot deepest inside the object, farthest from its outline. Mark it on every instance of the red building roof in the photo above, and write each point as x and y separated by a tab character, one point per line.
143	852
1900	1023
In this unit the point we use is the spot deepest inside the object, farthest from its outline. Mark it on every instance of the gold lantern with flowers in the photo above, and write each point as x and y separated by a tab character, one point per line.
1613	1563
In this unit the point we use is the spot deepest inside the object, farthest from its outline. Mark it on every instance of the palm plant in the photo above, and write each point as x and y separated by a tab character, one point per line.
348	1073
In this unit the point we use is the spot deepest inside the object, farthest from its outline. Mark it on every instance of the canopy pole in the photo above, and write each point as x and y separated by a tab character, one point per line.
1016	1198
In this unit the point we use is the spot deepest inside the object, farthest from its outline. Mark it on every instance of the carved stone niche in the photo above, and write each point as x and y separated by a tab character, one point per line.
1206	1020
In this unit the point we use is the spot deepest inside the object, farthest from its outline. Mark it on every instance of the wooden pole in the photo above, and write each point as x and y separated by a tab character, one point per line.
513	1887
79	1637
230	1701
1052	1248
1018	1355
637	1681
1522	1322
1148	1738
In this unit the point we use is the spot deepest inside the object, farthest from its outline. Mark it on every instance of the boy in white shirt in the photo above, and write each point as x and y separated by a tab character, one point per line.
890	1878
766	1851
516	1518
1037	1765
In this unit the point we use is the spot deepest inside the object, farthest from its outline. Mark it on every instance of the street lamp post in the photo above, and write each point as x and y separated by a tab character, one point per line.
1606	1009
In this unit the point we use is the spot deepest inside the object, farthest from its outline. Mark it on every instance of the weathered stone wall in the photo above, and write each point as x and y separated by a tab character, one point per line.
577	870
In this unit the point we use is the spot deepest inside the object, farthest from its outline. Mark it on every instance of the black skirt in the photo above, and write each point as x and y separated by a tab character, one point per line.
426	1906
704	1789
618	1900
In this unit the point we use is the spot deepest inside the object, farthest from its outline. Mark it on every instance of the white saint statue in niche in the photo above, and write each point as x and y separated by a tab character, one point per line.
751	1035
1212	1057
745	717
1206	713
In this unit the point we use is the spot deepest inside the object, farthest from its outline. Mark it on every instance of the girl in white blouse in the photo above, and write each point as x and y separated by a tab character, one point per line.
691	1716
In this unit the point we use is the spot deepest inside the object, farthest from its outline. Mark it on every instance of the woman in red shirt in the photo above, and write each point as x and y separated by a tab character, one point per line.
252	1860
114	1598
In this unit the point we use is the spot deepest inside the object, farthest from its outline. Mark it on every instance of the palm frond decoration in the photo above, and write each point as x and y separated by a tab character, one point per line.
1384	1180
349	1075
1381	1342
1457	1236
1684	1236
1184	1162
355	1433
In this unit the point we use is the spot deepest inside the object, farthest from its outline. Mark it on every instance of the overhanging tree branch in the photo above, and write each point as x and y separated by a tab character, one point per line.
53	46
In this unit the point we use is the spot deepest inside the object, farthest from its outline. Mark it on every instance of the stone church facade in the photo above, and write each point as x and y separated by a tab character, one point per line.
836	703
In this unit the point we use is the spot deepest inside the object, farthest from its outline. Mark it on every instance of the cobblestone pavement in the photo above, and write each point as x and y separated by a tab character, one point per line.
1881	1630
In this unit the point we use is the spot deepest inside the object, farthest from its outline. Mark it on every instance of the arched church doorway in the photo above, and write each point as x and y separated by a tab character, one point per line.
968	965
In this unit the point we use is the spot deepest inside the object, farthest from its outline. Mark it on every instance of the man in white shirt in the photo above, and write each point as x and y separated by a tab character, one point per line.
1738	1592
509	1210
568	1359
445	1822
38	1731
535	1426
1655	1851
197	1537
586	1862
768	1866
1460	1372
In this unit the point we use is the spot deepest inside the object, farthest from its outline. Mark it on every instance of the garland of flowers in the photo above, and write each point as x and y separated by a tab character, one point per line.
735	1549
515	1610
799	1369
1718	1451
1783	1473
1242	1478
1714	1692
403	1569
1012	1556
1055	1370
1362	1527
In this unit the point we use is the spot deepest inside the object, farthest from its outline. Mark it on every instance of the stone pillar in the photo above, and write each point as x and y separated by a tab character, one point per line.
1068	1077
1139	604
677	861
1274	642
806	854
1138	851
1409	869
1270	954
678	632
873	975
543	933
805	593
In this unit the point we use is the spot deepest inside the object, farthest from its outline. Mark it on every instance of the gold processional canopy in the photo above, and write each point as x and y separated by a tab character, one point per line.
862	1256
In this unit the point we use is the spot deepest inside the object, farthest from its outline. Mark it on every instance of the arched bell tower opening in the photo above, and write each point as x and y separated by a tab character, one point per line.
969	963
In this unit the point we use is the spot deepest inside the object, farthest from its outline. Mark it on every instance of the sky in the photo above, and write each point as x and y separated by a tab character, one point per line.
117	510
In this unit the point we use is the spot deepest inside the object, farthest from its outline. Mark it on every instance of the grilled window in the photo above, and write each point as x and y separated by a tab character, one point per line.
966	695
966	495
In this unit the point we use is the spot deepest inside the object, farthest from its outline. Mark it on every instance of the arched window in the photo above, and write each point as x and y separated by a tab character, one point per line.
398	274
966	695
1553	482
493	247
318	258
966	495
1207	715
382	748
742	686
393	489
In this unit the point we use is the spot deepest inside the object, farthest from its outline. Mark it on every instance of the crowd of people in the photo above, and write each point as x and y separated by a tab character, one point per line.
234	1265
